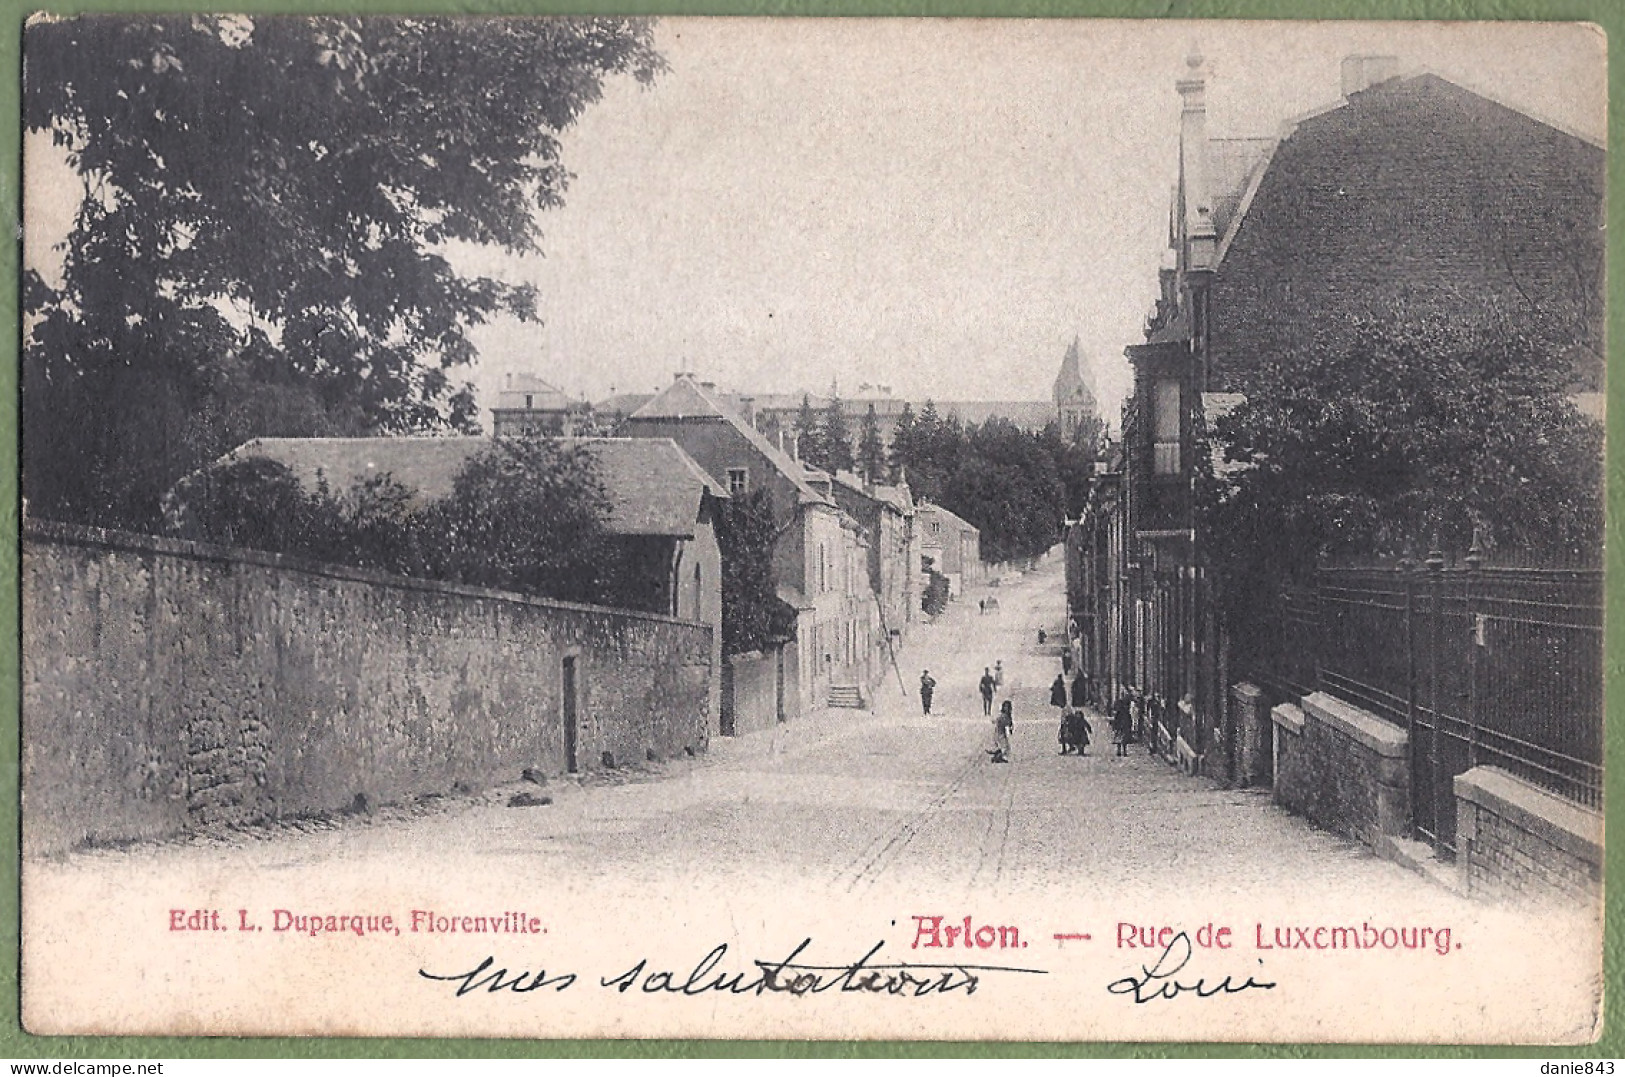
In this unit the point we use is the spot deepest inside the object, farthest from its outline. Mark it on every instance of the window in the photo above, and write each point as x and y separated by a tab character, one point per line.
738	481
1165	426
528	400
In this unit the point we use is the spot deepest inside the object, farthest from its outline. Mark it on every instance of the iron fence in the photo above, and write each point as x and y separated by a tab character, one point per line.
1481	664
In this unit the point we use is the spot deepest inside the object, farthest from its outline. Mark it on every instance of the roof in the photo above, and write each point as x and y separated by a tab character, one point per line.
654	487
1071	387
1236	166
623	403
520	388
686	399
893	497
931	506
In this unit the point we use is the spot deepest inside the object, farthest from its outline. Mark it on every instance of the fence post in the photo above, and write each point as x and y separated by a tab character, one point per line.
1435	574
1473	560
1407	576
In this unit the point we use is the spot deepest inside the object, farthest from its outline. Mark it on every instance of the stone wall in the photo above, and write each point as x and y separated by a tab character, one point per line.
1515	838
169	686
1253	731
1344	768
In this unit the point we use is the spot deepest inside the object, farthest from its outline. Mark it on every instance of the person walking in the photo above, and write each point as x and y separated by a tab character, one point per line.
927	687
1075	732
1003	725
988	686
1080	690
998	674
1123	722
1057	691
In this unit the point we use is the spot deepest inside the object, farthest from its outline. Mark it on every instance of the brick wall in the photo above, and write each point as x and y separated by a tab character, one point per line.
1344	768
1420	191
169	686
1514	838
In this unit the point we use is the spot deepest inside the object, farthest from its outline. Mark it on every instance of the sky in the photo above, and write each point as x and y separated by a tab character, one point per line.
939	206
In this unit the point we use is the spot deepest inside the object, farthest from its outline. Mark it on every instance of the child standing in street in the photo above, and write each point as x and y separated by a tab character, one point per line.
1003	725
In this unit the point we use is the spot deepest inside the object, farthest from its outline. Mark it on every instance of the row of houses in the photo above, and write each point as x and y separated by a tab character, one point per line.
527	404
851	559
1405	185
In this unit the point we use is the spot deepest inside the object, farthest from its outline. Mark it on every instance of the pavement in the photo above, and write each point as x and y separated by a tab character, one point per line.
838	824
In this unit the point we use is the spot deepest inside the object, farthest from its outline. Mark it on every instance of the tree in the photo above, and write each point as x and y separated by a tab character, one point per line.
528	515
810	437
1398	433
753	615
902	444
262	243
871	460
837	438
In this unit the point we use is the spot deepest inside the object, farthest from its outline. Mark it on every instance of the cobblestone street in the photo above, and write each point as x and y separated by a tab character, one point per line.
846	823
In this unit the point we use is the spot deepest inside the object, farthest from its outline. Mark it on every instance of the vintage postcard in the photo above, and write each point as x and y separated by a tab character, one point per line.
919	529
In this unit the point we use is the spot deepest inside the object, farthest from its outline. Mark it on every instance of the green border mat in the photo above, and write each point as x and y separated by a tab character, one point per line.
14	1043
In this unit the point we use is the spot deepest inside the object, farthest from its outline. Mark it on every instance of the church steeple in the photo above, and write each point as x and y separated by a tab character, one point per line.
1074	400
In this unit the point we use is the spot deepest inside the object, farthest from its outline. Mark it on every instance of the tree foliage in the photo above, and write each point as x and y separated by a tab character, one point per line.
810	436
837	437
753	616
1397	435
263	242
525	515
871	455
1013	486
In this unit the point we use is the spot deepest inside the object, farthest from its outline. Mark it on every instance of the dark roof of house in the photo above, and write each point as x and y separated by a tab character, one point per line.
894	497
654	487
686	399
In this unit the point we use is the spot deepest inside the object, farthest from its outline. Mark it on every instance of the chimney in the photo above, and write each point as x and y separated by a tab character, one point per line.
1363	72
1198	201
747	409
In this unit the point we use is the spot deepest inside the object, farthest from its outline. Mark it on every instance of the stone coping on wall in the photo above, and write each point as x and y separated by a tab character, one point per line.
1248	693
1565	825
1384	738
1289	717
106	538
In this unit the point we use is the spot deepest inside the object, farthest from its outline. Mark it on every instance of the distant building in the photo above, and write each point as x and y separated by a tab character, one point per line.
1075	404
950	545
820	557
529	405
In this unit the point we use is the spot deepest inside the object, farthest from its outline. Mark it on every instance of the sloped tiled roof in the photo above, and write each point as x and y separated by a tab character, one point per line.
686	399
654	487
542	396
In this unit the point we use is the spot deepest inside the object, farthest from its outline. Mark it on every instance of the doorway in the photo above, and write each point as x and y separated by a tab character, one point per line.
570	691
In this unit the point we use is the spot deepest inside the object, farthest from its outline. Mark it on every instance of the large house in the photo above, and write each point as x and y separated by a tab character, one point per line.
820	557
1409	192
529	405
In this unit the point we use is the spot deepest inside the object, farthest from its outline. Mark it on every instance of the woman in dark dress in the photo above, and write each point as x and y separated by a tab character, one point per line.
1057	692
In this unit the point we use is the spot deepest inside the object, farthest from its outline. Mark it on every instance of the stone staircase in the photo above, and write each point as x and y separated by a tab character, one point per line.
849	696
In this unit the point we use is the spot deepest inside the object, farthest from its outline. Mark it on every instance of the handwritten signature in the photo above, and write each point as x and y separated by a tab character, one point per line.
791	975
1157	981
